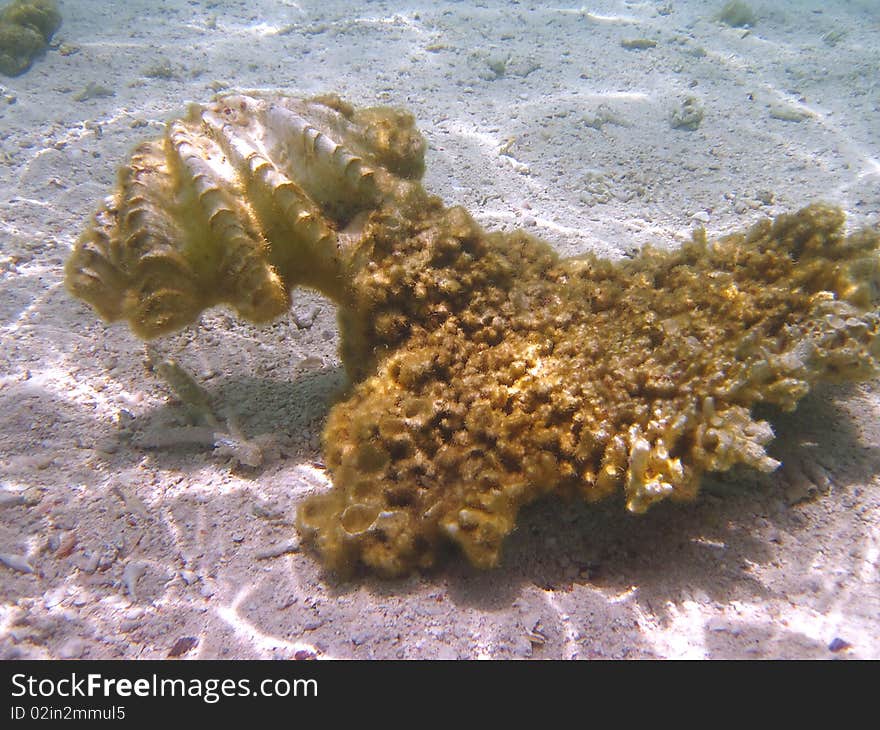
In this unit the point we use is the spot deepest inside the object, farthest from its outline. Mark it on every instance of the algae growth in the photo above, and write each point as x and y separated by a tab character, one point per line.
737	14
26	27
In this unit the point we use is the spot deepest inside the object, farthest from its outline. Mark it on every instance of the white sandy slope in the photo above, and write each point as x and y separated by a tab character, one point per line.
116	546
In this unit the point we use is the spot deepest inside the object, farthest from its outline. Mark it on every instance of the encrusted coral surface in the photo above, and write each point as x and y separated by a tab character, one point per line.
26	27
486	371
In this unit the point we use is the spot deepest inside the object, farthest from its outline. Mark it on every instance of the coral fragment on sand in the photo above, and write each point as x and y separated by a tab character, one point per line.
238	203
26	27
486	371
737	14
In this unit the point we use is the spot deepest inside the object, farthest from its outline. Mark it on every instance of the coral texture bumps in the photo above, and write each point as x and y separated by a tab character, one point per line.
486	371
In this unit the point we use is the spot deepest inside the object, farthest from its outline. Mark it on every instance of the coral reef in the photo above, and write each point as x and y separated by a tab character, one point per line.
26	27
486	371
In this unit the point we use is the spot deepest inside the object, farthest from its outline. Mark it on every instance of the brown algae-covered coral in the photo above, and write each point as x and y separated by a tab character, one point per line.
486	371
26	27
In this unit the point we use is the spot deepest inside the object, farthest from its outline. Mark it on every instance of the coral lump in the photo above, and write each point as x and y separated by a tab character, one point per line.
26	27
737	14
486	371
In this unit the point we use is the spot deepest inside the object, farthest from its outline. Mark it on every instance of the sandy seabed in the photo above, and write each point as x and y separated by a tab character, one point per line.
118	541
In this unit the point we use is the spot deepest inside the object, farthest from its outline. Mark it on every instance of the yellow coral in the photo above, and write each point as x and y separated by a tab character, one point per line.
486	370
237	203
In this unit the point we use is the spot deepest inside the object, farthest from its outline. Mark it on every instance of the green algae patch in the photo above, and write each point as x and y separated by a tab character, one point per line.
26	27
737	14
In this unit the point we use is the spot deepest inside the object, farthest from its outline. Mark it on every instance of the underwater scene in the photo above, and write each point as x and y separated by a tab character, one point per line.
439	330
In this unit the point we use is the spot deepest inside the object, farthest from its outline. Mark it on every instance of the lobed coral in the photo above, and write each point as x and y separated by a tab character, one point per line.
26	27
238	203
486	371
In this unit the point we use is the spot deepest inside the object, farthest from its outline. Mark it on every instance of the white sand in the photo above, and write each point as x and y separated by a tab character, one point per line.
111	549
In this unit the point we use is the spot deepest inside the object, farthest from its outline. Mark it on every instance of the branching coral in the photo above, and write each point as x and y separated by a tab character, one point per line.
26	26
486	371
